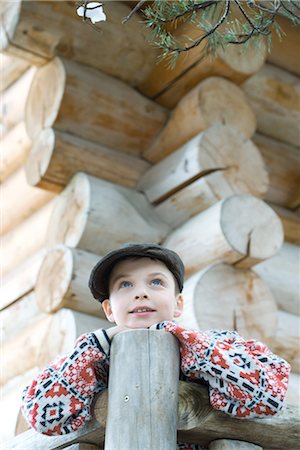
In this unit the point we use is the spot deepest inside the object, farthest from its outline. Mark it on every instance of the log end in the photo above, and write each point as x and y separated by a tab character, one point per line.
54	278
221	101
10	12
251	227
45	96
69	216
40	157
244	61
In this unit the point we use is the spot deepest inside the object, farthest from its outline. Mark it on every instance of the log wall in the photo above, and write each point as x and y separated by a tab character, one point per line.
204	159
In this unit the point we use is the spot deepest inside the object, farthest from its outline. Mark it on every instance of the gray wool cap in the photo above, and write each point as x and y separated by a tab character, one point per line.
99	278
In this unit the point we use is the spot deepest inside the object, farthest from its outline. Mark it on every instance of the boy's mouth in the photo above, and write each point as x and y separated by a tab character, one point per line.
141	310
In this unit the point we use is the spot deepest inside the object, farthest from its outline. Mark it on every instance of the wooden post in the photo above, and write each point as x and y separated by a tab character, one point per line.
11	69
143	391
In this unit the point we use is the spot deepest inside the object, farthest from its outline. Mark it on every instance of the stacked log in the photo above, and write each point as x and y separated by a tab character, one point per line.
224	297
167	86
107	111
217	163
62	281
97	216
37	32
213	101
56	156
240	230
11	69
41	342
274	95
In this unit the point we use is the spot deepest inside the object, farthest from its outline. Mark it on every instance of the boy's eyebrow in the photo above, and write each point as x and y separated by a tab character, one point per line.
117	277
155	274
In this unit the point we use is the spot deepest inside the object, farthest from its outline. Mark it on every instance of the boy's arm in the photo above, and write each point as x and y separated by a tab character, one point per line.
59	400
245	378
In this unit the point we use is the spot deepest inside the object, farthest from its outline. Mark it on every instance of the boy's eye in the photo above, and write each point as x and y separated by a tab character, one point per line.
156	282
125	284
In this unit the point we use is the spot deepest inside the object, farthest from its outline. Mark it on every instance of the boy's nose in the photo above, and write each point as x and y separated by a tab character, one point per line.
141	295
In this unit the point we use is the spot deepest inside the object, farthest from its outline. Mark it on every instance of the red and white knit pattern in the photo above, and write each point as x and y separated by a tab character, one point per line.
245	379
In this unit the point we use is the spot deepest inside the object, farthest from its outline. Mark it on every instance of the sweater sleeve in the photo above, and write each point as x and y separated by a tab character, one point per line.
245	378
59	399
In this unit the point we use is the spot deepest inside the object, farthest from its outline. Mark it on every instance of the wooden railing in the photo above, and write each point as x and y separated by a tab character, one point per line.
138	411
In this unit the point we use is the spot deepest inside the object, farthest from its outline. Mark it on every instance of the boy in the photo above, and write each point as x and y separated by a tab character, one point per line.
139	286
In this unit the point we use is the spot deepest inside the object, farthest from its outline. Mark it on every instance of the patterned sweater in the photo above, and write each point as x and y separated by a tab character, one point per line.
245	379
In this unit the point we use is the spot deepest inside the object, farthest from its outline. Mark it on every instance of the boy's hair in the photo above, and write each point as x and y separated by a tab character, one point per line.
99	278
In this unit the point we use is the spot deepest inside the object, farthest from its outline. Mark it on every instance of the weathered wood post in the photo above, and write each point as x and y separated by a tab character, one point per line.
143	391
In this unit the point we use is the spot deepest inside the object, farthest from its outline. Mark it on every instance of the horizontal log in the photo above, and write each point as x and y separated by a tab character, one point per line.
21	279
63	279
41	342
286	341
282	162
109	112
274	95
291	223
293	392
167	86
97	216
11	69
224	297
201	423
217	163
198	422
14	149
11	394
20	200
213	101
281	273
240	230
285	52
25	239
14	99
230	444
56	156
38	31
19	315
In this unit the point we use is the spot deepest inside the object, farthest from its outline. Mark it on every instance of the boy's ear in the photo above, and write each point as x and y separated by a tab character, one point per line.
179	305
107	310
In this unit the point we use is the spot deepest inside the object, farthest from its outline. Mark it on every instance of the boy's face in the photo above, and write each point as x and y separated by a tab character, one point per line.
142	293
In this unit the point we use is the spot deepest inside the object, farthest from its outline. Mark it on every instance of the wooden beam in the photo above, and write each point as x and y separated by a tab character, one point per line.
143	395
282	162
224	297
198	422
11	69
167	86
15	147
281	273
20	200
56	156
97	216
274	95
215	164
229	444
62	281
107	111
291	223
213	101
38	31
240	230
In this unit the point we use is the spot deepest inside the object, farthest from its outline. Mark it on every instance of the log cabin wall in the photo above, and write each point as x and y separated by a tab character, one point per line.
100	145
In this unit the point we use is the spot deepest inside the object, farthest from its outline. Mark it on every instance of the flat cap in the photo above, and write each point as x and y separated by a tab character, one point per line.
99	278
